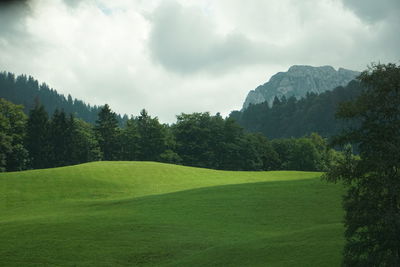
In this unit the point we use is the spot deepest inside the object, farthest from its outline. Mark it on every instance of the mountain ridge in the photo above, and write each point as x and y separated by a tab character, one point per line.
299	80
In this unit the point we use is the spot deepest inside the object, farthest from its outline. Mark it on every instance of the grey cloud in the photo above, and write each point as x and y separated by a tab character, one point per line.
184	41
6	3
72	3
372	10
219	69
384	18
12	19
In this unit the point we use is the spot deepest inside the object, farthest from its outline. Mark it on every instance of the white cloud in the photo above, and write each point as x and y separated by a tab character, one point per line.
185	56
186	40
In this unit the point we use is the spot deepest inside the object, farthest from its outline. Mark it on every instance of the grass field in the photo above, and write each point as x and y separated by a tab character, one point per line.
145	213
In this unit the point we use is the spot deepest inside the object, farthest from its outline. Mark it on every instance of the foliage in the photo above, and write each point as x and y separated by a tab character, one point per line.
169	156
372	202
298	117
152	137
197	139
257	153
61	139
13	155
307	153
84	145
106	132
37	140
128	141
24	90
209	141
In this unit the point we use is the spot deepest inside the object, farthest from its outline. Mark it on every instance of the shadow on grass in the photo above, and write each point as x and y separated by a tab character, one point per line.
281	223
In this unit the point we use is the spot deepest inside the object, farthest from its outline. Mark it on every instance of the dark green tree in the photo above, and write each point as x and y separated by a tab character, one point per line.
372	201
13	155
308	153
298	117
256	153
61	139
284	148
84	146
23	90
37	138
129	141
170	155
229	144
196	139
106	132
210	141
152	141
268	155
304	156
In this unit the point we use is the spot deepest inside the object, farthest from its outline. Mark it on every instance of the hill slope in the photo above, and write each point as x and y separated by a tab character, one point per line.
23	90
144	213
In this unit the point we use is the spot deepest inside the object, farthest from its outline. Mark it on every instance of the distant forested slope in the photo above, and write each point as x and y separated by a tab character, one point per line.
296	118
25	90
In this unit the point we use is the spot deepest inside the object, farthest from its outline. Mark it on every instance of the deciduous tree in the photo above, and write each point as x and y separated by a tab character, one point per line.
372	201
13	155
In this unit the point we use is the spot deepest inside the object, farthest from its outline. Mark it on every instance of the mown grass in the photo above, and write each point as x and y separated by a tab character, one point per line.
153	214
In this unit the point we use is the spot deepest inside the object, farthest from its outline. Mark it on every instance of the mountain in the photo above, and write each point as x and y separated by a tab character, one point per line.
293	117
25	90
298	81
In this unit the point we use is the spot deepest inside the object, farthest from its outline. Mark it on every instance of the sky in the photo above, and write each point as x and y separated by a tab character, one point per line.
174	56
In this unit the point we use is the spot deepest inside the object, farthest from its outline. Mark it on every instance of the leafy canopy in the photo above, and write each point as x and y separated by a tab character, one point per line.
372	202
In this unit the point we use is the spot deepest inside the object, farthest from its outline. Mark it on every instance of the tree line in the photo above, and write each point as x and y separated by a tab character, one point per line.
25	90
198	139
298	117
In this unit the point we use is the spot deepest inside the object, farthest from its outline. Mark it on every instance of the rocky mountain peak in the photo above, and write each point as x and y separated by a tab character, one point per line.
298	81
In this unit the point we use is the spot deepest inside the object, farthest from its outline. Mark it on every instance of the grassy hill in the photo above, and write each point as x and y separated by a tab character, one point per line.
145	213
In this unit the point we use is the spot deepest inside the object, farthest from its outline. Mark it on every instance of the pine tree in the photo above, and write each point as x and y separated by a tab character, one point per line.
37	138
60	138
129	141
106	132
152	137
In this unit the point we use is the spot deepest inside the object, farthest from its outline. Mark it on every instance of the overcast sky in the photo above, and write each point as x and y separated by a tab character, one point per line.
186	55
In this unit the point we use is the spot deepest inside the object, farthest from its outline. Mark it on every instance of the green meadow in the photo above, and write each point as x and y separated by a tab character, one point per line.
154	214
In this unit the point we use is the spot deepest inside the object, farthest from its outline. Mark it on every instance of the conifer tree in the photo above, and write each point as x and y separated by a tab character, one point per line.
60	136
106	132
37	137
129	141
152	137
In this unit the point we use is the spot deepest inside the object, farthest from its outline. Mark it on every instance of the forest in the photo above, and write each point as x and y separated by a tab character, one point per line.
299	117
49	130
25	90
198	139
